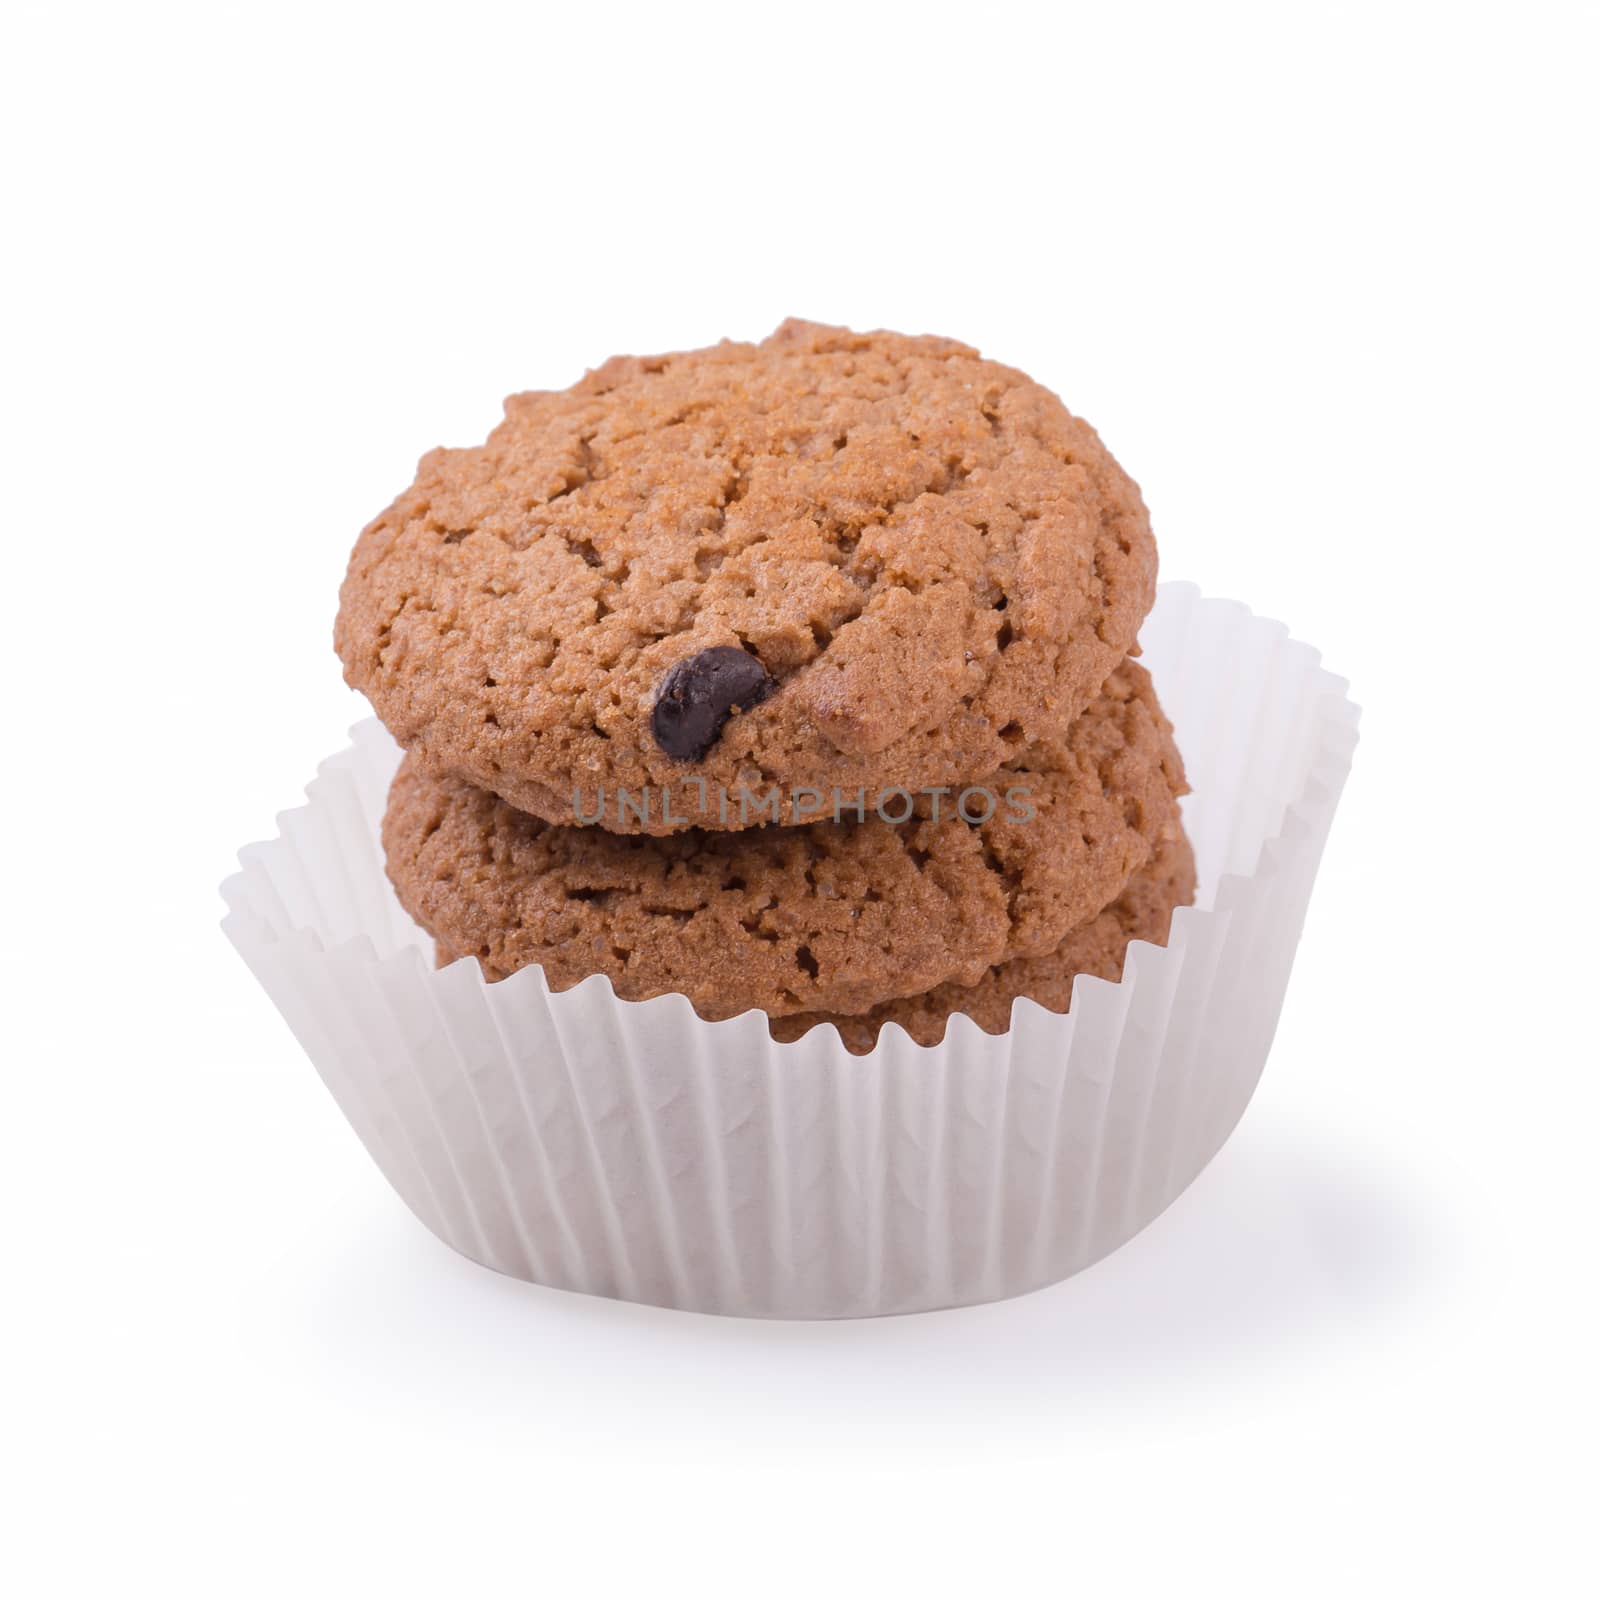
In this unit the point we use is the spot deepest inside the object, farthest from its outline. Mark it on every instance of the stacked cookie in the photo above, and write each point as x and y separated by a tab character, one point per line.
790	676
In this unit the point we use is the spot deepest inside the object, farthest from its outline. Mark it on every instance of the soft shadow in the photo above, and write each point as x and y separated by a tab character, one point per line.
1277	1252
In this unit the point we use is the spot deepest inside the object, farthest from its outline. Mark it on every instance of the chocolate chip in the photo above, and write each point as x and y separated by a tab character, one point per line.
700	693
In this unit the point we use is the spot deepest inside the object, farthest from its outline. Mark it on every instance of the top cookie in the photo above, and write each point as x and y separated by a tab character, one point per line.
826	560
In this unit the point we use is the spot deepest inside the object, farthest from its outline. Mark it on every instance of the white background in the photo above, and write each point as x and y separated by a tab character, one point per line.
1325	280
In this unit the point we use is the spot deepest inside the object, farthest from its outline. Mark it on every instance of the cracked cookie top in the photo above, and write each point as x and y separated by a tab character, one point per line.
833	916
829	559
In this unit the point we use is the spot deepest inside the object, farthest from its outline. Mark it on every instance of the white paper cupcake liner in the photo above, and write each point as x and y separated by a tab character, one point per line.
632	1149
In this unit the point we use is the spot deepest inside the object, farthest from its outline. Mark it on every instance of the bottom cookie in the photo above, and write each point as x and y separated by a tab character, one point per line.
1098	948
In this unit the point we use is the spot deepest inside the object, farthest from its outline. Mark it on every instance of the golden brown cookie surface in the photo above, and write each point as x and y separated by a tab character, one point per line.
829	559
1098	948
827	917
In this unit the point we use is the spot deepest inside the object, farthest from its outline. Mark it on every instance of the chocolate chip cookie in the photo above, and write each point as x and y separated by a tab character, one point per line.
835	916
1096	949
831	560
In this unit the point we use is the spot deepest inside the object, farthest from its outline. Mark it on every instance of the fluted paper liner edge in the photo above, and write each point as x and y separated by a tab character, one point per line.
631	1149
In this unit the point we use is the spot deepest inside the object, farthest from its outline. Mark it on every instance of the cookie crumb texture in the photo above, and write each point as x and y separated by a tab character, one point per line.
933	560
830	917
1096	949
